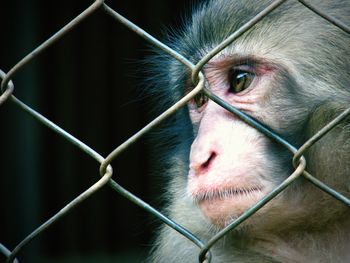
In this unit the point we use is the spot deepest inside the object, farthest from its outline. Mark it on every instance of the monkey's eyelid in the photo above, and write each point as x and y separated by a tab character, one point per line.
244	67
254	65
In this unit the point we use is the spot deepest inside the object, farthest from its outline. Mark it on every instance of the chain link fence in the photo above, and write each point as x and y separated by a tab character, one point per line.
106	170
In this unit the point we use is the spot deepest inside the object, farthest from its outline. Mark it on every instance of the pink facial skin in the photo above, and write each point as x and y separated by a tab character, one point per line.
227	173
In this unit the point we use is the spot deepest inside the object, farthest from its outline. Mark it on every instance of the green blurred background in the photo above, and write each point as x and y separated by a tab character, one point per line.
87	84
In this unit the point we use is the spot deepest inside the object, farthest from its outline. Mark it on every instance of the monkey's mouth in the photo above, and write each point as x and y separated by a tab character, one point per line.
227	193
221	206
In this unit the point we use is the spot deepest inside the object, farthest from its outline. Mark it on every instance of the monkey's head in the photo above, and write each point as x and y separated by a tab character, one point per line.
282	74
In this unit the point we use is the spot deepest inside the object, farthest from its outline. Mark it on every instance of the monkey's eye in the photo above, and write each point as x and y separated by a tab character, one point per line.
240	80
200	99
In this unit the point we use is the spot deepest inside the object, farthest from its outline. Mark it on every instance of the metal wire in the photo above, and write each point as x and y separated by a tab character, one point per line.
106	171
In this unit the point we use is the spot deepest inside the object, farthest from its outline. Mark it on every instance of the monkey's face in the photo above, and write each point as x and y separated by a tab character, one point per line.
229	168
272	77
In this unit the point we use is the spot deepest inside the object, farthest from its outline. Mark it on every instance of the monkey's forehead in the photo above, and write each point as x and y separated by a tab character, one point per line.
284	30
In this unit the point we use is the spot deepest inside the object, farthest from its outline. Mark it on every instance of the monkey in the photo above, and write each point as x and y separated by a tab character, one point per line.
290	72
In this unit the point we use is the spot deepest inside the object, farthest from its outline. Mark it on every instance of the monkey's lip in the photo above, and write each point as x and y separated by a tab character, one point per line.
222	205
225	193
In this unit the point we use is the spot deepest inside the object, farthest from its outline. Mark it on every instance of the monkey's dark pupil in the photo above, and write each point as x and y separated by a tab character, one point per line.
240	80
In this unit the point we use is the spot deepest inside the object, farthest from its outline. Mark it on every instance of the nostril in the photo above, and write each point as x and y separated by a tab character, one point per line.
202	161
206	165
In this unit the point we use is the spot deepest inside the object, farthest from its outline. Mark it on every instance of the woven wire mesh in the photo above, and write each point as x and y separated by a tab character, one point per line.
106	170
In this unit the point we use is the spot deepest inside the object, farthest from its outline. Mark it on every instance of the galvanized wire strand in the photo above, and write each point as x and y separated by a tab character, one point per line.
326	188
5	251
323	14
233	37
142	33
248	213
64	30
8	91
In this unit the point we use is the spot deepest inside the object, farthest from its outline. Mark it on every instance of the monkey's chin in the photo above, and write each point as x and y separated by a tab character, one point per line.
223	209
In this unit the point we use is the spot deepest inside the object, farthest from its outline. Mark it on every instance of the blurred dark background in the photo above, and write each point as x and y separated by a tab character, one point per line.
87	83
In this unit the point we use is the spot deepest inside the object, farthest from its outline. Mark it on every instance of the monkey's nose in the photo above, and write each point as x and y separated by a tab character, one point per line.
202	167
